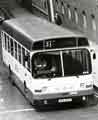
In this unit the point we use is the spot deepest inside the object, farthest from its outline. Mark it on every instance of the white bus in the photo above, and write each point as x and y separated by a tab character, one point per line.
50	64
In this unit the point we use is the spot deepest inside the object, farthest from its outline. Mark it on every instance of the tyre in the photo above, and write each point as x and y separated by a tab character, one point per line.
91	100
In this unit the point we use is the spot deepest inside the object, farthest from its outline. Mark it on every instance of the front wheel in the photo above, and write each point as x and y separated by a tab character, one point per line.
91	100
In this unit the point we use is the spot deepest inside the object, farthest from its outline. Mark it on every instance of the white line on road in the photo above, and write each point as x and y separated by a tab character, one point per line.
0	88
16	111
1	100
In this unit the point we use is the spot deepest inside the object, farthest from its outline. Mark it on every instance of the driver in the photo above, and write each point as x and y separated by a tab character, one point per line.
40	63
44	66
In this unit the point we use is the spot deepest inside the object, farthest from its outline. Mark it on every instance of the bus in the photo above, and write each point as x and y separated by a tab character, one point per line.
49	64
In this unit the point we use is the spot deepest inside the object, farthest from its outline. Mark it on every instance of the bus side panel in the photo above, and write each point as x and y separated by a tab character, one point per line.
20	74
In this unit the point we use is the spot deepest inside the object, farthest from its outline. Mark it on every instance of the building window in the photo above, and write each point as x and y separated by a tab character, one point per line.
56	4
45	4
84	19
93	22
62	8
69	12
76	15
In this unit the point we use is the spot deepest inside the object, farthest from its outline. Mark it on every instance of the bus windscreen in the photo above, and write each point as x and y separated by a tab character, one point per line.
49	64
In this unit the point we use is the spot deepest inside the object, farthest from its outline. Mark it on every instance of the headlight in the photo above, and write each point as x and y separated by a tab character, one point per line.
38	90
43	89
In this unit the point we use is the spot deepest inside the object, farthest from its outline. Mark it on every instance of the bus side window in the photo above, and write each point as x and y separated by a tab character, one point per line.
5	41
8	43
12	46
23	55
15	49
19	53
27	60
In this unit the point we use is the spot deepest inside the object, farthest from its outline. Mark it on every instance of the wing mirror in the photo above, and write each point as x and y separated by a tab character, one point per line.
1	20
94	56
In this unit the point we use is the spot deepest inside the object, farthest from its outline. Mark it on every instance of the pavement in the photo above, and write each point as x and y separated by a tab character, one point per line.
19	12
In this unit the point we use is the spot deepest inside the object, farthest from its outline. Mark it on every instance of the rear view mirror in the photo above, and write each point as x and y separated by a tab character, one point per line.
94	56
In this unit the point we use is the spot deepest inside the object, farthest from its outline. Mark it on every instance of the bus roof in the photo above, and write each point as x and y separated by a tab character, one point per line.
34	29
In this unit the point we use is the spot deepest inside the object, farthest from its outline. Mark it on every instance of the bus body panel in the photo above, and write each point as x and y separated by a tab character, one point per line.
19	75
54	88
50	88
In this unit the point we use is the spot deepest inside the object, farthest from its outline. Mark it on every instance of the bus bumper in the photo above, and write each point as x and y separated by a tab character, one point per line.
61	97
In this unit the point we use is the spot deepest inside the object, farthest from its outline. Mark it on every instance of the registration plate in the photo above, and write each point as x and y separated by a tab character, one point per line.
65	100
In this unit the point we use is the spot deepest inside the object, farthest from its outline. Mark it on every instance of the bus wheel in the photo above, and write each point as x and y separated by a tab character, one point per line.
91	100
